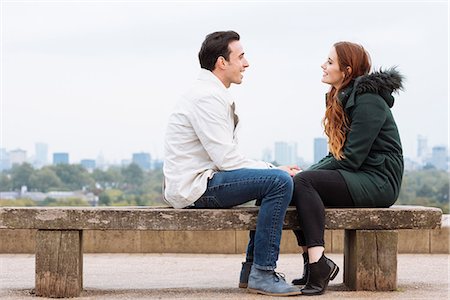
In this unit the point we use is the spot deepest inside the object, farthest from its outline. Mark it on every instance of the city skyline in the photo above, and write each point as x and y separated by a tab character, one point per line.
282	152
103	78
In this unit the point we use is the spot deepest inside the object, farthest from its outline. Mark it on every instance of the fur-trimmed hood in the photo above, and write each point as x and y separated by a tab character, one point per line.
382	82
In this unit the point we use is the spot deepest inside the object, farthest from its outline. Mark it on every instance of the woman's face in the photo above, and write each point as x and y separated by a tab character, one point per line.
331	71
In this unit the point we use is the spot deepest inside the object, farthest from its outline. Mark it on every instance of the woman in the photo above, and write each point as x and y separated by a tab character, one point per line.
365	165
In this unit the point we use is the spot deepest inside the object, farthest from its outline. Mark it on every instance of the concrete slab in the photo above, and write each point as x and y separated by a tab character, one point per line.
212	276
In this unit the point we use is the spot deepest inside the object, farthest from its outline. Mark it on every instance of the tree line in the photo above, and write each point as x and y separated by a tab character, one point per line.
131	186
428	187
128	185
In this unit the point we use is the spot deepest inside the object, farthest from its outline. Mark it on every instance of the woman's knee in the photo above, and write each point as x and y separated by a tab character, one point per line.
303	187
302	179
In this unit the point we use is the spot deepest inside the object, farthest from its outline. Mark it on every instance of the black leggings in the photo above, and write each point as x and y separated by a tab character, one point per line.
313	191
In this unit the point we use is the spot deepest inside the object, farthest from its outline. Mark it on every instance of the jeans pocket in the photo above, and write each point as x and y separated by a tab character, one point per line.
207	202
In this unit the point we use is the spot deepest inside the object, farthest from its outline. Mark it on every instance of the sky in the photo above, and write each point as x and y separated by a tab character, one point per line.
91	77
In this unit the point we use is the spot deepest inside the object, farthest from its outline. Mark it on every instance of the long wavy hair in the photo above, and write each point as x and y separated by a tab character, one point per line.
335	122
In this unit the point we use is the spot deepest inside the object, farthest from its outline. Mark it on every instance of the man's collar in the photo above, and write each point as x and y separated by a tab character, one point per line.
206	75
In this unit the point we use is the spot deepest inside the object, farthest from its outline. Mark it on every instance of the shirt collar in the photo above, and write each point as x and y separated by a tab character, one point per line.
206	75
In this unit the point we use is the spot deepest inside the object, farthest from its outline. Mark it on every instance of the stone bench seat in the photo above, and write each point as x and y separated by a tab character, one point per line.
370	243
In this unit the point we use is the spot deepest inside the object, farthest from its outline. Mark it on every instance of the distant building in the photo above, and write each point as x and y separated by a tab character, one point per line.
411	165
61	158
320	148
143	160
285	153
5	163
17	157
88	164
157	164
439	157
125	162
422	146
9	195
101	162
41	158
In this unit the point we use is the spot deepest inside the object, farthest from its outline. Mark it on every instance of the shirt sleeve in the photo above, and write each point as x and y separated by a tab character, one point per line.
212	121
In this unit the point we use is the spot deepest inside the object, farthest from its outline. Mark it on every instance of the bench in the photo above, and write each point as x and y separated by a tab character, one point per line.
370	243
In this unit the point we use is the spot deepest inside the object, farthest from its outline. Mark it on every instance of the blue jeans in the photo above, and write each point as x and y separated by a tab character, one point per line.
272	188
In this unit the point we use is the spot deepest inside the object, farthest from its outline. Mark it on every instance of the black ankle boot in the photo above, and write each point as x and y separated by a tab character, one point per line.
304	278
245	272
320	273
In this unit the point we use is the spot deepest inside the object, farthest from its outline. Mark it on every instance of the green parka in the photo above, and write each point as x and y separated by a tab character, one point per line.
373	163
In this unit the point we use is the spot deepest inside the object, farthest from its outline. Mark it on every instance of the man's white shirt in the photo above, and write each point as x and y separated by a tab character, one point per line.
201	139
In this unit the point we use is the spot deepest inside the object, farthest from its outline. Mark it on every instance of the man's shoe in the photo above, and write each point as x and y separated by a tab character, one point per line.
270	283
245	272
304	278
320	273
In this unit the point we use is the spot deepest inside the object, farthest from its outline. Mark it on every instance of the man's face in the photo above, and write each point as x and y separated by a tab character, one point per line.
235	65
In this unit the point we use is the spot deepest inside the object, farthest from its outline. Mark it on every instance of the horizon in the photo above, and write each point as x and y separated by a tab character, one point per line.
32	155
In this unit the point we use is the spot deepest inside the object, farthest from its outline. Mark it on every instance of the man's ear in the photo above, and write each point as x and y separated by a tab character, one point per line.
221	62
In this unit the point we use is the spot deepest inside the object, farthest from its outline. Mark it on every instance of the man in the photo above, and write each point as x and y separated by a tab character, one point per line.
204	168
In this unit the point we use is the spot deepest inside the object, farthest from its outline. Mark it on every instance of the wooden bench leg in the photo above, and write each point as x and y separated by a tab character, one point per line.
59	263
370	260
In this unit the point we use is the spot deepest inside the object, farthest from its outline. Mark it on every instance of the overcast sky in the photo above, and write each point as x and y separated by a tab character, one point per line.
101	76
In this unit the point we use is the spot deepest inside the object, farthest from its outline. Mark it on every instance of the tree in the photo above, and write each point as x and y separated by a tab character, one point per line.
140	201
443	192
5	182
108	179
428	187
425	191
21	175
152	187
73	177
45	180
133	176
104	199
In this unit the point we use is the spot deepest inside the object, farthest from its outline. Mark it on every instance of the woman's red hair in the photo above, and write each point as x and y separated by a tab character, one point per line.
335	121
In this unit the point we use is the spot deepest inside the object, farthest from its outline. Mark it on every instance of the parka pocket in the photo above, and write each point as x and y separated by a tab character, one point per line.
375	164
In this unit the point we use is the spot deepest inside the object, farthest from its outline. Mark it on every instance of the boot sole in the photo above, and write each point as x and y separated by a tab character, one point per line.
243	285
334	272
298	284
273	294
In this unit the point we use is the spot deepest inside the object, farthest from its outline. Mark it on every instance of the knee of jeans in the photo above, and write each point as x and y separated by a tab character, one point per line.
284	179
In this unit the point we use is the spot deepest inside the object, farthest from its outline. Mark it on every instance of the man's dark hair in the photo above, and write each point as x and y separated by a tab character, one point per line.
214	46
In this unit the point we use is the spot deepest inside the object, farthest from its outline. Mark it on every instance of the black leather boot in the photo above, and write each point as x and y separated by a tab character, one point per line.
245	272
320	273
304	278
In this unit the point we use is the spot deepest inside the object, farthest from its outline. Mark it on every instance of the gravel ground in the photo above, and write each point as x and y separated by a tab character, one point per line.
212	276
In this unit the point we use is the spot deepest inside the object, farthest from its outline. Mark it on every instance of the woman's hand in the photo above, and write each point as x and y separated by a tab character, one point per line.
292	169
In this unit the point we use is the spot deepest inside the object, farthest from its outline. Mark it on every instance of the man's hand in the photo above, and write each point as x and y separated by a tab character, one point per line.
292	170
